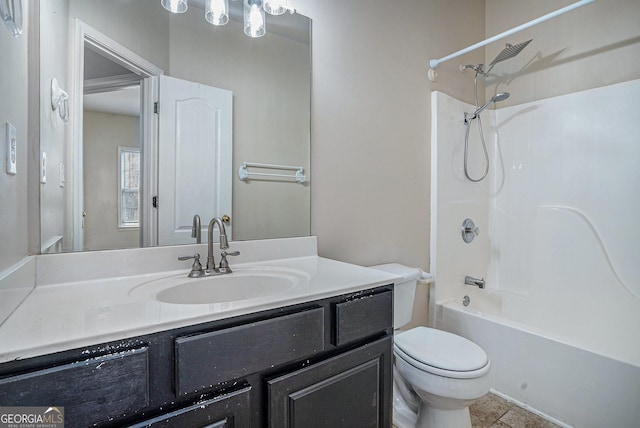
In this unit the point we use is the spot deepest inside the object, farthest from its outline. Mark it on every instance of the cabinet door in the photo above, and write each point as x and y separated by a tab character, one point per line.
350	390
231	410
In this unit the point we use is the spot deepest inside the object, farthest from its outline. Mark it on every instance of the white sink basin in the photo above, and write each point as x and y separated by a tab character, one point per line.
242	284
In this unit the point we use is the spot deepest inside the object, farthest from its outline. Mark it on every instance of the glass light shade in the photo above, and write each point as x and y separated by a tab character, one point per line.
175	6
216	12
254	20
275	7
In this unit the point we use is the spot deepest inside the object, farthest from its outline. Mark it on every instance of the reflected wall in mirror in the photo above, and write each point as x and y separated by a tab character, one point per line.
83	201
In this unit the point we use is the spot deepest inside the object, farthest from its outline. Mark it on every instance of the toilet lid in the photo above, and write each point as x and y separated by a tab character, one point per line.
442	350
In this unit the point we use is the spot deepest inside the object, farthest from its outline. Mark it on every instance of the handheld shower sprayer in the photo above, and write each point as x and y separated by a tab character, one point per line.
508	52
500	96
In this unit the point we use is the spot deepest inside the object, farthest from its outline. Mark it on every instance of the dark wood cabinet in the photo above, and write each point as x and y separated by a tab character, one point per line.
348	390
325	363
230	410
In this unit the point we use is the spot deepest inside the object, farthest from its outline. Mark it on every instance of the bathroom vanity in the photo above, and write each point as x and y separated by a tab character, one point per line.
317	355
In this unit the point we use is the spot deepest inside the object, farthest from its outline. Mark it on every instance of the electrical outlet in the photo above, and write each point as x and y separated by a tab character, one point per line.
43	167
12	148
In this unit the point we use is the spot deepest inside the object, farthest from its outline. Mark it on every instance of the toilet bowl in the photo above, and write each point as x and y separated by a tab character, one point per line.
436	374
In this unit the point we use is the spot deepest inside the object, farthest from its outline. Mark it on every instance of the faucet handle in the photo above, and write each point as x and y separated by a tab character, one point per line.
196	268
224	264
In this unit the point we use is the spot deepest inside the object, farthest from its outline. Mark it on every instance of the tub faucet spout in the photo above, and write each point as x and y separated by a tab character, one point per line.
469	280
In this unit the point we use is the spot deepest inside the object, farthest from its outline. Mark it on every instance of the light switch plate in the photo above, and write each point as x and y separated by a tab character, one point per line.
12	148
43	167
61	170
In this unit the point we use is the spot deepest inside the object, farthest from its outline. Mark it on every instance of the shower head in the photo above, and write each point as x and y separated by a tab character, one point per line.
508	52
500	96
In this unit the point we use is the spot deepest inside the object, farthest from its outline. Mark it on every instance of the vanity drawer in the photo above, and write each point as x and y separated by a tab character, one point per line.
363	316
91	390
229	410
207	359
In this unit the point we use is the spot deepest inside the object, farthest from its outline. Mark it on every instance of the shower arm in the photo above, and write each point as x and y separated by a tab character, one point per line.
433	63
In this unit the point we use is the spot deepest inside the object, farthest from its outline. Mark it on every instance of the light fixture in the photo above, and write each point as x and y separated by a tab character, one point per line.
254	21
175	6
216	12
275	7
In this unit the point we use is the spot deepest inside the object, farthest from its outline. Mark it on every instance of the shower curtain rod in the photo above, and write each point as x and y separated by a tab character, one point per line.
433	63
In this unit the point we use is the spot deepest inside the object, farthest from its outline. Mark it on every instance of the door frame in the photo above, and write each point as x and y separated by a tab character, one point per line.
86	36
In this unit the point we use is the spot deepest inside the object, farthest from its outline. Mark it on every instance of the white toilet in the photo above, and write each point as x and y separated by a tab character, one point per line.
436	374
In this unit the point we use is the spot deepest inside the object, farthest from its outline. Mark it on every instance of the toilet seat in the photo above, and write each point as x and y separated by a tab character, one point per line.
441	353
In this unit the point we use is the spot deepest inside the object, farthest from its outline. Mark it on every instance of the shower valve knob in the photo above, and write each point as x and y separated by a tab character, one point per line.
469	230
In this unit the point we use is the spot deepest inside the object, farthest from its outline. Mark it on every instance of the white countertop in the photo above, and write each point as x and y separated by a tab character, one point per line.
74	314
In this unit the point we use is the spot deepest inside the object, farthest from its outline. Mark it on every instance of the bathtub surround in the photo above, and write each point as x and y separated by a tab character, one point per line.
558	262
566	384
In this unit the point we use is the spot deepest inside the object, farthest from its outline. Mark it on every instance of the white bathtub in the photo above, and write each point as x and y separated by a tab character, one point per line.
563	377
558	248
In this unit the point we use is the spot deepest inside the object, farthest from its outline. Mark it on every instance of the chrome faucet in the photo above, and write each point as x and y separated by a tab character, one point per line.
196	269
469	280
196	230
224	244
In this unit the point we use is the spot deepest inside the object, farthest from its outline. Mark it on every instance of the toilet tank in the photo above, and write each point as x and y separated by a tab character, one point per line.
404	291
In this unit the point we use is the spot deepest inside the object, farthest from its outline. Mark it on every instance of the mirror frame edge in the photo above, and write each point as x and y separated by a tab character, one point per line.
33	134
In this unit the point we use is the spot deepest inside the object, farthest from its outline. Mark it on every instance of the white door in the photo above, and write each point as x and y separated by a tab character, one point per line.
194	158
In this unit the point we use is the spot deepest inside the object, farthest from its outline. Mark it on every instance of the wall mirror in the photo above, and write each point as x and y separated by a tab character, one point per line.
121	175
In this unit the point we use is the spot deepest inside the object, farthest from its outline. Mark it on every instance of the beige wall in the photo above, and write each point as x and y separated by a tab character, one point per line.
371	121
592	46
13	109
103	133
143	29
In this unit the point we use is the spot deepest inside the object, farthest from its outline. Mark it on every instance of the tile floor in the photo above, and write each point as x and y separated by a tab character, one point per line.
492	411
